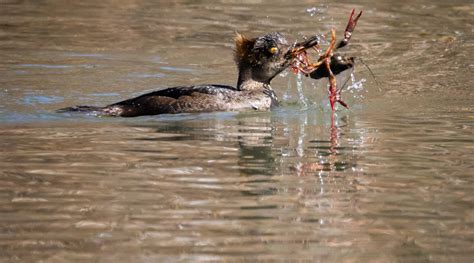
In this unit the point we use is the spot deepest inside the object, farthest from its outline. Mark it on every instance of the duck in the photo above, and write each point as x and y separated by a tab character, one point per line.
259	60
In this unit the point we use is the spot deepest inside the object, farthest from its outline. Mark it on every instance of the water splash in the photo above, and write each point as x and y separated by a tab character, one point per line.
300	88
312	11
284	73
317	12
287	96
356	87
316	93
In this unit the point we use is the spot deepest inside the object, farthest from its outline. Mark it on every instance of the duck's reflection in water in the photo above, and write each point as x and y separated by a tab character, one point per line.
282	143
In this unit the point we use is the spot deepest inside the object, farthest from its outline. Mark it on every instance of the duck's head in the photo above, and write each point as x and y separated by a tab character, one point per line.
261	59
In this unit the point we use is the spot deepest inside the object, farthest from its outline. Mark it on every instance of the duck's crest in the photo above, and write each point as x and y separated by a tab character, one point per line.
243	46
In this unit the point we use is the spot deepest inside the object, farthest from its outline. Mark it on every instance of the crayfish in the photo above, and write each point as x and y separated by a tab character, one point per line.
328	64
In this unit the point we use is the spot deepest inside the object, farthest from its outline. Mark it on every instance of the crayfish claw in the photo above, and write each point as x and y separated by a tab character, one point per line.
349	29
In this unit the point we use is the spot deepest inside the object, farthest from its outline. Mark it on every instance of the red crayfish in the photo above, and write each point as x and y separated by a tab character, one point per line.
328	64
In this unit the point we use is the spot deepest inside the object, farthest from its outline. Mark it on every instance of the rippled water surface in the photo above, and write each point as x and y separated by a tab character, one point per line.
390	180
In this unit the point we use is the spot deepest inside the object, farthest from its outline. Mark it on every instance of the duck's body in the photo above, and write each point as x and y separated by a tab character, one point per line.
258	60
201	98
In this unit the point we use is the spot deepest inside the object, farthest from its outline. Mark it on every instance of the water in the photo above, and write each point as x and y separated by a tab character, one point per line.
390	181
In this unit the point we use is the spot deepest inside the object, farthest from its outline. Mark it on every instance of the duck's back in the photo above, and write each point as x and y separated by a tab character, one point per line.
200	98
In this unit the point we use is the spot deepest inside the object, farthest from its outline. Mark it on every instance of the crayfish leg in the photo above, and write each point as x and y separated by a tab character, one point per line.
330	49
332	84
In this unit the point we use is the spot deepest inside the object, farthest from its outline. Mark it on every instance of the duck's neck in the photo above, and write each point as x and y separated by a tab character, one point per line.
247	82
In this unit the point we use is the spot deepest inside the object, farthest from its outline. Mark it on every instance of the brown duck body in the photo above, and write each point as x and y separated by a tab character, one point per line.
201	98
258	60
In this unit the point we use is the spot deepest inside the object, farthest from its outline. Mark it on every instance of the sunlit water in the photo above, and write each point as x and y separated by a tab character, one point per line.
390	181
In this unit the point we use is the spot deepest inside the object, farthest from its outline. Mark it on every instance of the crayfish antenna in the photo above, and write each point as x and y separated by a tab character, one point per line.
371	73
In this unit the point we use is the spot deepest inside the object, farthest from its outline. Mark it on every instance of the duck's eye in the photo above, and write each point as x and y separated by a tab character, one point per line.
273	50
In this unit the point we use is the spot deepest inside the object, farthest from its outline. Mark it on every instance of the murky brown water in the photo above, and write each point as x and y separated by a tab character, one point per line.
392	181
